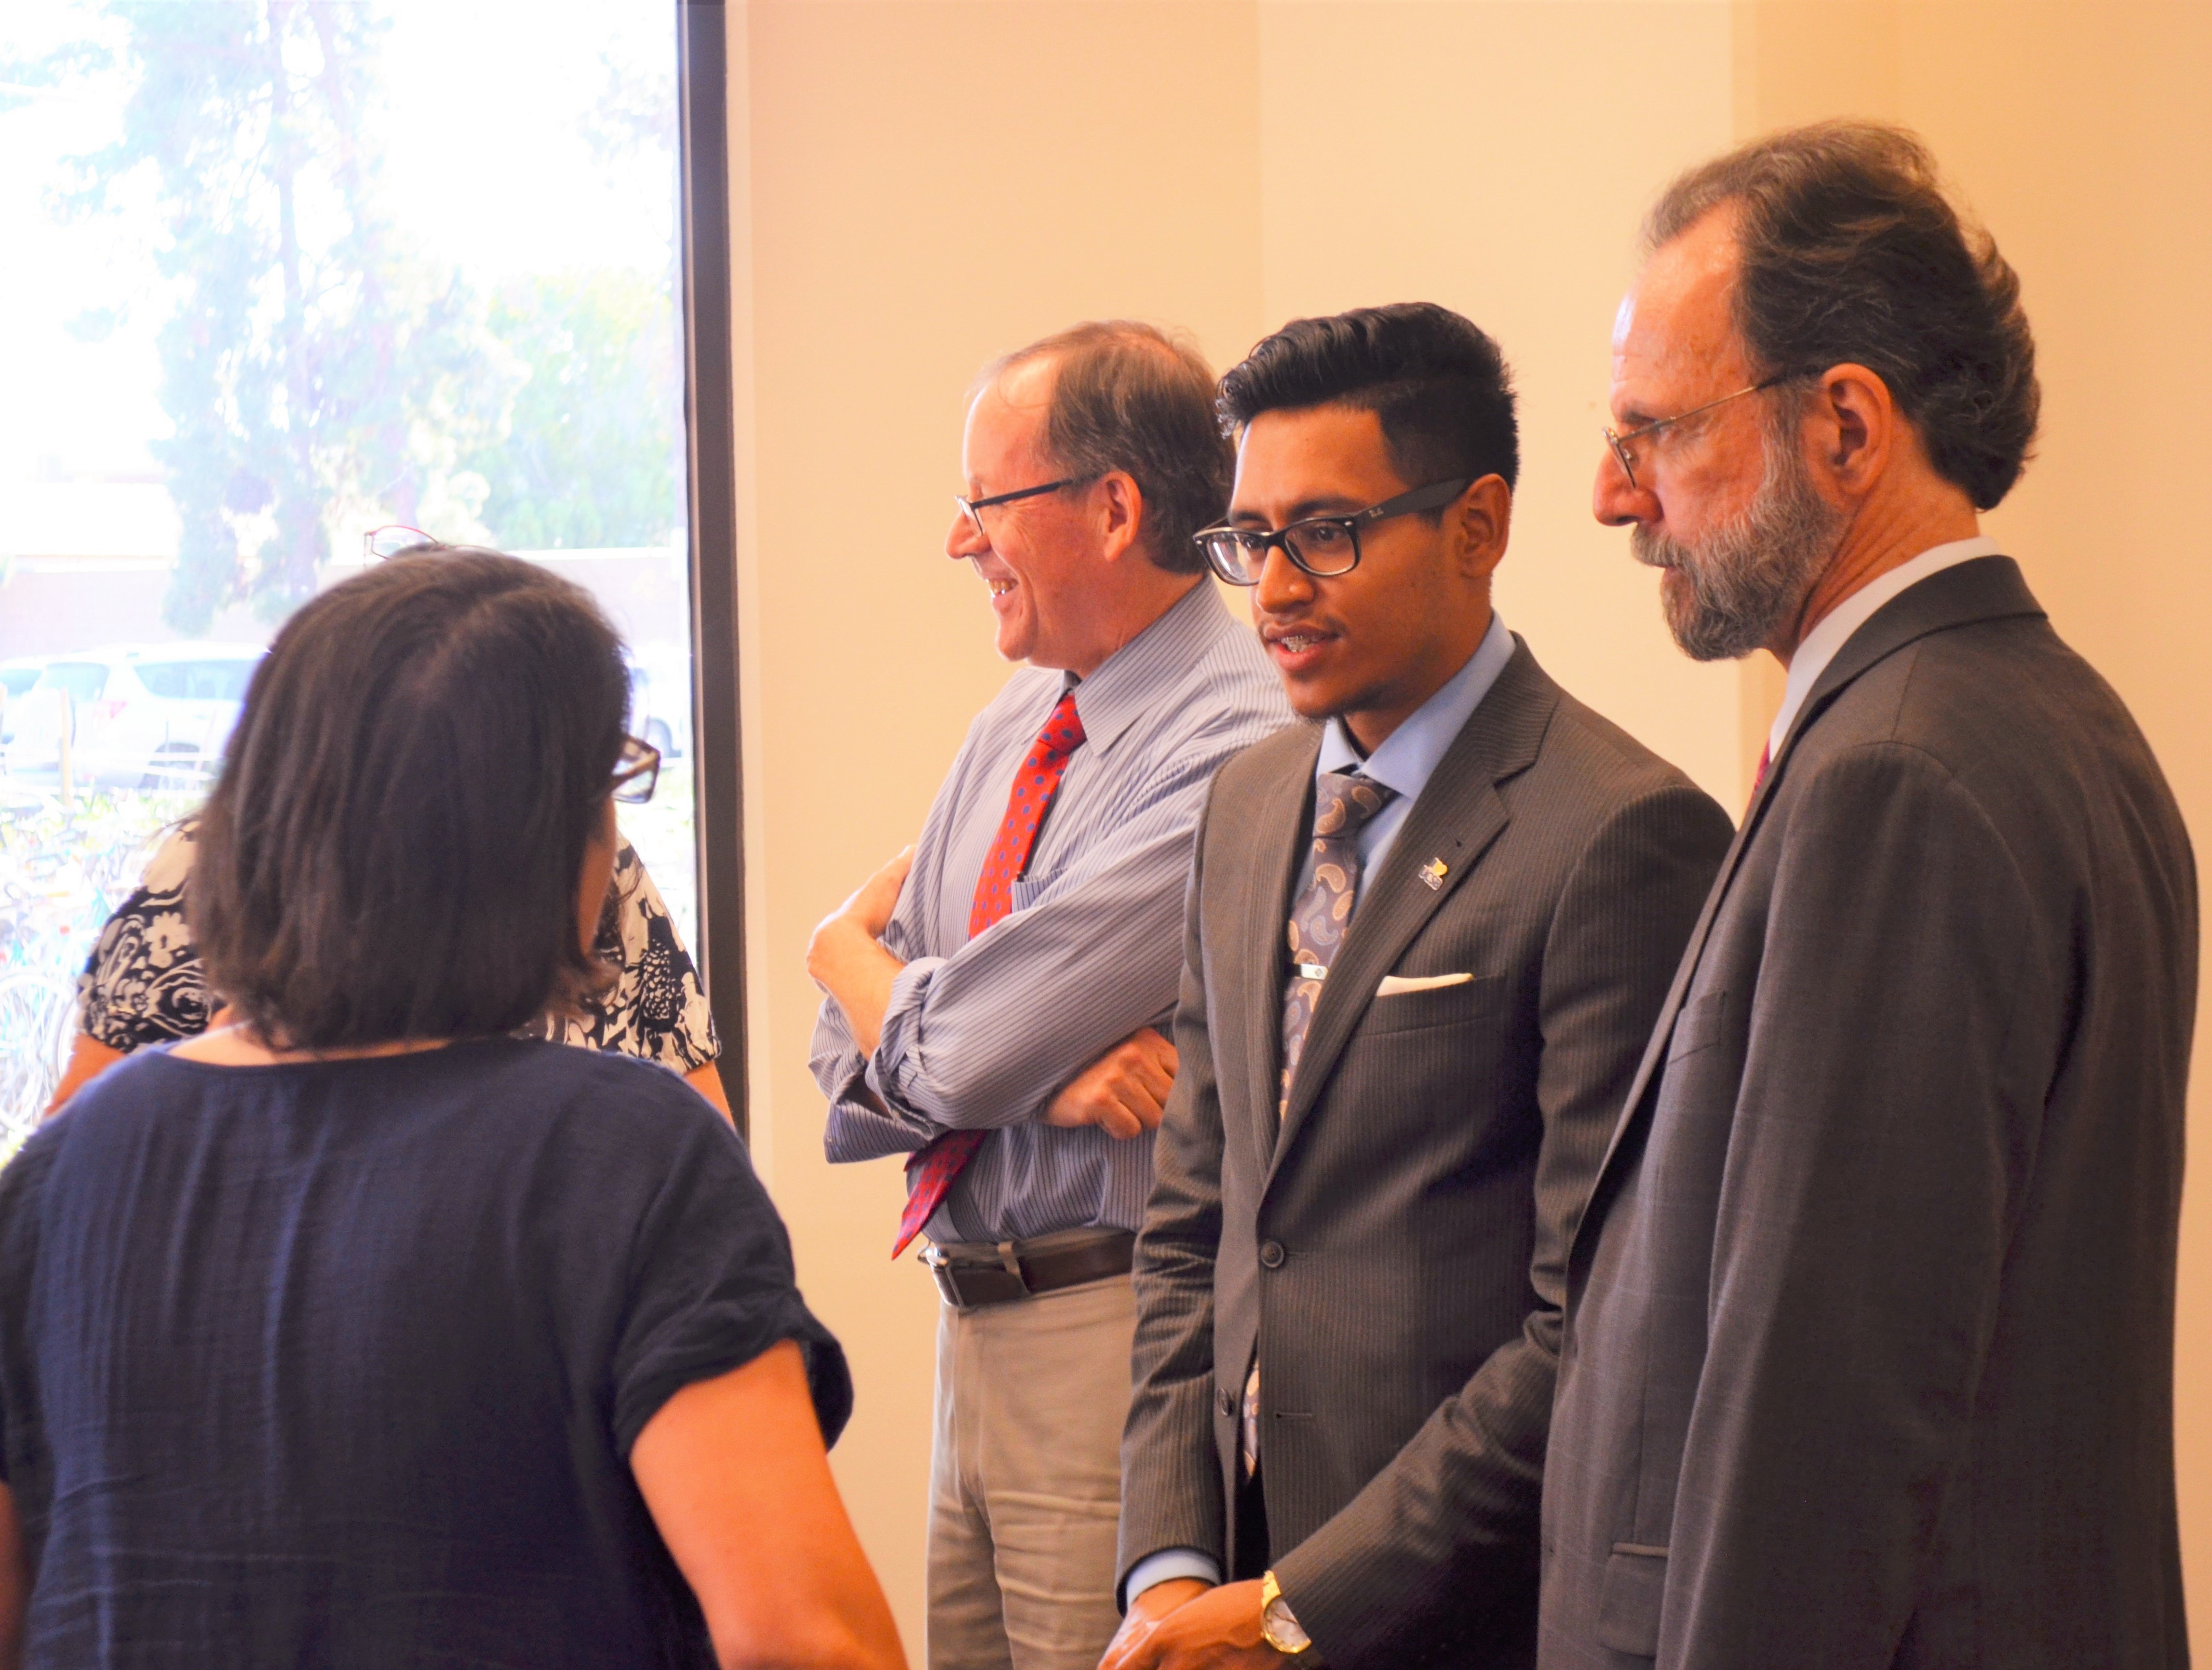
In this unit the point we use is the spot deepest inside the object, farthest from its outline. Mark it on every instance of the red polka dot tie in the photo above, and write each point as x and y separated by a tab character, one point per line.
930	1173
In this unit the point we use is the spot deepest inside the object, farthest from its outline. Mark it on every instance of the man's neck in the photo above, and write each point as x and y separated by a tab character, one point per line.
1881	538
1369	728
1134	615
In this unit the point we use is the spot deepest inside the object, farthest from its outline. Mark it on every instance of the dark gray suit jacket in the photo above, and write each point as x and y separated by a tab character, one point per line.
1870	1348
1396	1251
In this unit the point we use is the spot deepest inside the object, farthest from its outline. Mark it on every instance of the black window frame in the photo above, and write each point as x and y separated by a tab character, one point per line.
710	439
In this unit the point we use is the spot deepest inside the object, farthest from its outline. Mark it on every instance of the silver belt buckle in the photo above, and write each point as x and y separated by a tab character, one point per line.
967	1286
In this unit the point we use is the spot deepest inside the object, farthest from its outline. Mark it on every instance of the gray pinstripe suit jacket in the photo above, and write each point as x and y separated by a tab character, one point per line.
1870	1342
1395	1251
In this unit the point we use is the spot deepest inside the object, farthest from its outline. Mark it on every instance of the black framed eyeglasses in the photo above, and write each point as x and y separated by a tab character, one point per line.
974	508
1623	441
1322	546
637	770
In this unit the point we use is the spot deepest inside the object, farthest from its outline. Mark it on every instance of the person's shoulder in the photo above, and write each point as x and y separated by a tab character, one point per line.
23	1177
1614	766
607	1085
170	863
1221	702
1258	767
145	1079
1983	696
1231	662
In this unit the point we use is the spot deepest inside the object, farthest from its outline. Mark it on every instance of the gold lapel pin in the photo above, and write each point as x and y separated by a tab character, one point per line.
1432	873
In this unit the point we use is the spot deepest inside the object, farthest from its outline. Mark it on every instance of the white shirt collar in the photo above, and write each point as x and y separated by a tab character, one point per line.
1834	629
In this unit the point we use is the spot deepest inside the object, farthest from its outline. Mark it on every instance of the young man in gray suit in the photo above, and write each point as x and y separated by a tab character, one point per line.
1425	941
1869	1347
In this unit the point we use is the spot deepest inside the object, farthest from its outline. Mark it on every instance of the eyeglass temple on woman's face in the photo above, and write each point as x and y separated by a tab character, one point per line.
637	771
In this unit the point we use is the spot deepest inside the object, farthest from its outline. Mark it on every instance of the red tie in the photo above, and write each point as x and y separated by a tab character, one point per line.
929	1174
1765	759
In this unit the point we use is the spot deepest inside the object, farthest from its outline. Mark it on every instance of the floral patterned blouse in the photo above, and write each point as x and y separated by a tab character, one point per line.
142	984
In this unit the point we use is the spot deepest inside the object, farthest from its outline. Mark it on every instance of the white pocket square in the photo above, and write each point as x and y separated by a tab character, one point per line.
1394	984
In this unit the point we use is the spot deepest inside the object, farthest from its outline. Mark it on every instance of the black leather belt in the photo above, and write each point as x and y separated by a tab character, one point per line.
969	1276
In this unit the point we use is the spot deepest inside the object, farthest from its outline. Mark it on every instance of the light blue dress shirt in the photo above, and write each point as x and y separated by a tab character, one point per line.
1407	760
982	1033
1410	754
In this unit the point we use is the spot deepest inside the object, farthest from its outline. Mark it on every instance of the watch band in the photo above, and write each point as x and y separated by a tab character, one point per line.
1278	1624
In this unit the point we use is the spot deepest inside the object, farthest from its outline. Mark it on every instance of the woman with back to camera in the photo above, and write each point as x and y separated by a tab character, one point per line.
143	983
356	1333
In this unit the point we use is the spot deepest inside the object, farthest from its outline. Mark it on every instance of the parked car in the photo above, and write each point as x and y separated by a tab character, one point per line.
660	697
16	677
156	717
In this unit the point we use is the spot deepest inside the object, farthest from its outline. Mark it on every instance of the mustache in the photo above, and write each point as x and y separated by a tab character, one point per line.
1655	550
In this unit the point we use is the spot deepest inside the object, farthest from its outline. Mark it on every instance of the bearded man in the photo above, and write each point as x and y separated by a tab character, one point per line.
1868	1343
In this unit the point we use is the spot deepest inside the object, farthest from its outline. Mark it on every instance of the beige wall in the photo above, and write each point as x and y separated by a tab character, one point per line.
925	185
920	183
1504	179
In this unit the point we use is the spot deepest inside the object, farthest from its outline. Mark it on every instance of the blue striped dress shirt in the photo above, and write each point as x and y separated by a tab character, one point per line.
982	1033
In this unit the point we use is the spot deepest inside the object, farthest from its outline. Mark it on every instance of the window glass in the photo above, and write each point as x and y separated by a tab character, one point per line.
196	680
284	272
81	681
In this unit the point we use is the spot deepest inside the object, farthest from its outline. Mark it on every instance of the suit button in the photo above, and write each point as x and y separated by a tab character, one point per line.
1271	1254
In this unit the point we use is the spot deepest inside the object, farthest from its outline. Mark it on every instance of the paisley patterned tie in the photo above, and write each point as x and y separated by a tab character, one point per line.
1343	802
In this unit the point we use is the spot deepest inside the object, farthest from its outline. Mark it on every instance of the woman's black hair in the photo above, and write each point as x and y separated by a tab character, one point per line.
394	847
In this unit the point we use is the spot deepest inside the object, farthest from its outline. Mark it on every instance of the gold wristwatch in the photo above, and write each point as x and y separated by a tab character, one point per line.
1278	1623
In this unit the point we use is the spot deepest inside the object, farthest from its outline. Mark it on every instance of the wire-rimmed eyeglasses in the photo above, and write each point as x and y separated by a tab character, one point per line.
1621	441
1322	546
637	771
396	539
974	508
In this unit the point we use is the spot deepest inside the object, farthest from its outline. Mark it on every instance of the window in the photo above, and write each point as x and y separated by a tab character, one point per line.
285	273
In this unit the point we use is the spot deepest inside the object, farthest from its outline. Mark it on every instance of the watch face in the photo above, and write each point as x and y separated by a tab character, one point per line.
1280	1626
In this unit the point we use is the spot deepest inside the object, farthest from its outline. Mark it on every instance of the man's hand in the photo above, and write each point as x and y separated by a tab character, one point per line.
847	958
1194	1628
870	908
1121	1092
1144	1615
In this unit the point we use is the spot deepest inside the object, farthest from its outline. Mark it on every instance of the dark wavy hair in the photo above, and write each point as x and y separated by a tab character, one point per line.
1437	382
1132	397
1851	252
394	847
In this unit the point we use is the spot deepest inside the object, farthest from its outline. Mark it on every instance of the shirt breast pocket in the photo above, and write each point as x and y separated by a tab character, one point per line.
1029	889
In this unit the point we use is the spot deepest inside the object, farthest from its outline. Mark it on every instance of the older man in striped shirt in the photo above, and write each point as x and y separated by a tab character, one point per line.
996	1000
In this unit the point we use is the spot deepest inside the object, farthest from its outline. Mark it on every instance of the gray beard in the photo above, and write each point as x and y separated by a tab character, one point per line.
1729	594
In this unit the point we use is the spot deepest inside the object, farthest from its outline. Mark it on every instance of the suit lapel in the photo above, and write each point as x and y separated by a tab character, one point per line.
1458	815
1282	817
1985	588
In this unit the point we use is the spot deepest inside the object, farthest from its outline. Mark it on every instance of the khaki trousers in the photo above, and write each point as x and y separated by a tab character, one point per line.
1025	1480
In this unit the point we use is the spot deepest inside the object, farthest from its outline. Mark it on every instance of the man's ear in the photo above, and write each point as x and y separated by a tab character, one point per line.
1855	428
1121	504
1481	522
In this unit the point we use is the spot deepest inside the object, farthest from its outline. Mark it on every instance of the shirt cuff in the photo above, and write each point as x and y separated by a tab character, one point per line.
890	1068
1170	1563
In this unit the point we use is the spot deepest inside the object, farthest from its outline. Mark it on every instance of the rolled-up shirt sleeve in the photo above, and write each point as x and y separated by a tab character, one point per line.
862	1127
987	1037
